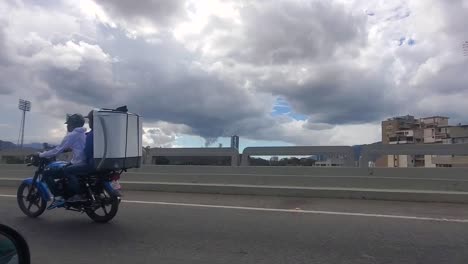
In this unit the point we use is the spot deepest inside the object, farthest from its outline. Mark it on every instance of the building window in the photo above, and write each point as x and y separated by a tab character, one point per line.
444	165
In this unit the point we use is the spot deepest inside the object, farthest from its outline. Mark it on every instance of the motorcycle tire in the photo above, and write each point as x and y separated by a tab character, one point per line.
36	200
111	201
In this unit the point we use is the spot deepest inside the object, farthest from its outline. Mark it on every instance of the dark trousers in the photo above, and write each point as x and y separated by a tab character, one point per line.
49	177
72	173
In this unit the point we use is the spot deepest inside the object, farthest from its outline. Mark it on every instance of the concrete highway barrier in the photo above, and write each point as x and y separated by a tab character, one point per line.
401	184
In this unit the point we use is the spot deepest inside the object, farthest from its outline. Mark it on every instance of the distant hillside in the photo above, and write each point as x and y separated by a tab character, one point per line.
358	148
6	145
11	145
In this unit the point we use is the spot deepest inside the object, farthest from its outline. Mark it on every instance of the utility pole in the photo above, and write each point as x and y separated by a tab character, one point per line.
24	106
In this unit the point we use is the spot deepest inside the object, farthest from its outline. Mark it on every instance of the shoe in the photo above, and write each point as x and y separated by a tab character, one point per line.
76	198
57	202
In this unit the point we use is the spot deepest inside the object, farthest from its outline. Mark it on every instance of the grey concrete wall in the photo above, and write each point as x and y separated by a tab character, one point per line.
447	179
403	184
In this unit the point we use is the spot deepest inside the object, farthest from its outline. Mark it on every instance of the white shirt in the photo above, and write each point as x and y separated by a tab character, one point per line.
75	141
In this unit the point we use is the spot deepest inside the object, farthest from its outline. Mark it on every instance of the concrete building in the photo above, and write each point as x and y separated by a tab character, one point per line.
399	123
401	161
432	129
409	133
456	134
235	142
413	136
449	135
434	121
427	130
330	162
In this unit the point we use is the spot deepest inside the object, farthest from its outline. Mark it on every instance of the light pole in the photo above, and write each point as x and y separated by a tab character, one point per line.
24	106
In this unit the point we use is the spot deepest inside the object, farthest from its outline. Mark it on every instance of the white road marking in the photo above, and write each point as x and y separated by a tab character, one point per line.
405	217
303	211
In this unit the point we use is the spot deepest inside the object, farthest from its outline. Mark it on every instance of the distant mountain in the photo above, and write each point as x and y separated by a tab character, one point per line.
358	148
11	145
6	145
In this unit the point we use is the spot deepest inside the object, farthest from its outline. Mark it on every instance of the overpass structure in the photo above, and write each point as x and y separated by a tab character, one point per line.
192	152
345	151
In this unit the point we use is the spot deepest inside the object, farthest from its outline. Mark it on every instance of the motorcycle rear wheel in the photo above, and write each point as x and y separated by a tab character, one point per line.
107	210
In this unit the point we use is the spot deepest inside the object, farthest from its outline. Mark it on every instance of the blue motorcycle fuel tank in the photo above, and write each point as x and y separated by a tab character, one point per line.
56	165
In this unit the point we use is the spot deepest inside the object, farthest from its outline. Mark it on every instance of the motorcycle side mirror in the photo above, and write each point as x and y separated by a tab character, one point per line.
13	247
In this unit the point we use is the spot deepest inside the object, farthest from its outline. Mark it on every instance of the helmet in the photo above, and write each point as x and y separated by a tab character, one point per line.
75	120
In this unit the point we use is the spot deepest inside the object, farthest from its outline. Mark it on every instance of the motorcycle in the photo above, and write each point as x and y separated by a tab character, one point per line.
101	189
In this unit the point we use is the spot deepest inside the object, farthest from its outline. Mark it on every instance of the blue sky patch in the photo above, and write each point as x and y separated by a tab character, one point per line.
282	107
401	41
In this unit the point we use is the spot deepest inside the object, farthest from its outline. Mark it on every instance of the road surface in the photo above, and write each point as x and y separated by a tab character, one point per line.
198	228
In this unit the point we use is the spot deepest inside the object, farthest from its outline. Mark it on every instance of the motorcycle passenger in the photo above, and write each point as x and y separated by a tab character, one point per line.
74	140
89	146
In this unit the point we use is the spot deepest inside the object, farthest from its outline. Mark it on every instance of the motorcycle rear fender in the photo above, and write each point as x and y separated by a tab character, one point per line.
110	190
42	187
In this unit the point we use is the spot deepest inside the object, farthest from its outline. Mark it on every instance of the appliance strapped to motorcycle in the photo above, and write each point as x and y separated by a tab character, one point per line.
117	139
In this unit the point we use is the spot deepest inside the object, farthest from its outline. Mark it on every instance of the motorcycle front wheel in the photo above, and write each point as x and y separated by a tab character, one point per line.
108	207
32	206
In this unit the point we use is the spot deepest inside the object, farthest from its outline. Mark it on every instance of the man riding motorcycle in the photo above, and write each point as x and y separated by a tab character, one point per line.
74	140
83	168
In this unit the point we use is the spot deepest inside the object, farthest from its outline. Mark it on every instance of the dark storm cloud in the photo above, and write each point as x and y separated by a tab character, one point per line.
157	11
279	32
164	83
3	51
4	86
339	95
83	85
283	35
161	81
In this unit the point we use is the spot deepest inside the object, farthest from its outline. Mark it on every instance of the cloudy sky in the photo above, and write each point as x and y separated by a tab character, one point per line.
291	72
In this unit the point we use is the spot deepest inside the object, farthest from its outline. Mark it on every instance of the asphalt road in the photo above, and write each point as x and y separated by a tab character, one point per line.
276	230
